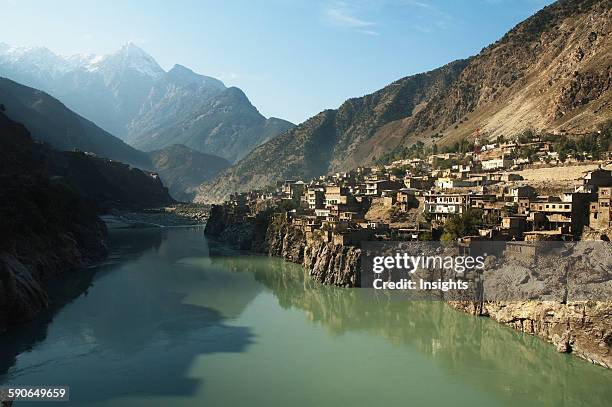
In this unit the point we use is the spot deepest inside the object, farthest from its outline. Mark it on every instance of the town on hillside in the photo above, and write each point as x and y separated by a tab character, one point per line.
463	195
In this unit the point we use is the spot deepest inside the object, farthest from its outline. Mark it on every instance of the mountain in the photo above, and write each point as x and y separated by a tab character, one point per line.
551	72
50	121
182	169
129	95
201	113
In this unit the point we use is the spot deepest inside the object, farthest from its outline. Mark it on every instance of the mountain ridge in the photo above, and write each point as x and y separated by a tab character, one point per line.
129	95
550	72
50	121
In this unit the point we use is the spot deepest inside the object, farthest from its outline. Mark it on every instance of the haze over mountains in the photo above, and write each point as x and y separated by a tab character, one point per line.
129	95
551	72
48	120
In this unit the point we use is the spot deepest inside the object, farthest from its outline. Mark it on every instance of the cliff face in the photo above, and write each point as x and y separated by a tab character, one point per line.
47	228
326	263
583	328
551	72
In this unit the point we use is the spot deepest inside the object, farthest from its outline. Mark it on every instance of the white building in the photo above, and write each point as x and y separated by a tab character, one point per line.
497	163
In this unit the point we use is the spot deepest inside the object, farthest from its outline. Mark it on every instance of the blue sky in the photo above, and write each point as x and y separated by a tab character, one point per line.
292	58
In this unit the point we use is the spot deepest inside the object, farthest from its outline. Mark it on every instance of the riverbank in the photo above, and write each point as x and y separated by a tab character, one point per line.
170	216
583	328
52	240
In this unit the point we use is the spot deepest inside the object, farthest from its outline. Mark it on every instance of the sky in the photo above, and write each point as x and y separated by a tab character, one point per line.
292	58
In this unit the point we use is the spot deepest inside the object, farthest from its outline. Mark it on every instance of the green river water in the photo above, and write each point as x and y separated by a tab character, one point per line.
174	319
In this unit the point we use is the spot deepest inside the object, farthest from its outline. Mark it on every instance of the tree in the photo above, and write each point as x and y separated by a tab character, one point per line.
461	225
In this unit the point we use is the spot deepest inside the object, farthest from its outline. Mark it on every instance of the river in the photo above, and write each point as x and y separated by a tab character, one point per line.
174	319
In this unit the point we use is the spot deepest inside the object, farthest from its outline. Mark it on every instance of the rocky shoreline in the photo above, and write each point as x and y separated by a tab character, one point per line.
583	328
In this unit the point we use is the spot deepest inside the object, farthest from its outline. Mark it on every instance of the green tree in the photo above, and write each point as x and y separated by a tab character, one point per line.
465	224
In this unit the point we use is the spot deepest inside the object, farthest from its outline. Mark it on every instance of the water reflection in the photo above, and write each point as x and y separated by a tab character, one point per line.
134	334
133	331
516	368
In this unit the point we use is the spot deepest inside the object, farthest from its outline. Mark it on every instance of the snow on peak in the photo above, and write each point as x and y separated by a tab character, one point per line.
39	58
132	57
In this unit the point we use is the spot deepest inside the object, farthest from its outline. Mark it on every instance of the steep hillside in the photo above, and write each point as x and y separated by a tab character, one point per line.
46	227
50	121
332	139
551	72
183	169
222	122
106	183
128	94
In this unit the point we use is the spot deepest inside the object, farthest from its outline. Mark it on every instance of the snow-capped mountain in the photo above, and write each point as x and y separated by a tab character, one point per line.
128	94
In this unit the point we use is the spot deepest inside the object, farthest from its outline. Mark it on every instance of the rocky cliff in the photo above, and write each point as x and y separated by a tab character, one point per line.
47	228
270	234
583	328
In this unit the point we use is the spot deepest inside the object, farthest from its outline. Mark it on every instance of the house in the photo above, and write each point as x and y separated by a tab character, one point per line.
600	211
595	179
445	156
316	198
389	200
521	196
568	215
504	177
406	198
421	183
441	206
375	188
322	213
293	190
514	226
497	163
335	195
450	183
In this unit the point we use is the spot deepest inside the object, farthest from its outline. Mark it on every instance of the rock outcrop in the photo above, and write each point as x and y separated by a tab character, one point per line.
583	328
270	234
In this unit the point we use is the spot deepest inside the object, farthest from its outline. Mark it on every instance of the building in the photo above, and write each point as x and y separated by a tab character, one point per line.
600	211
567	216
406	198
441	206
375	187
335	195
421	183
450	183
293	190
497	163
595	179
514	226
316	198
